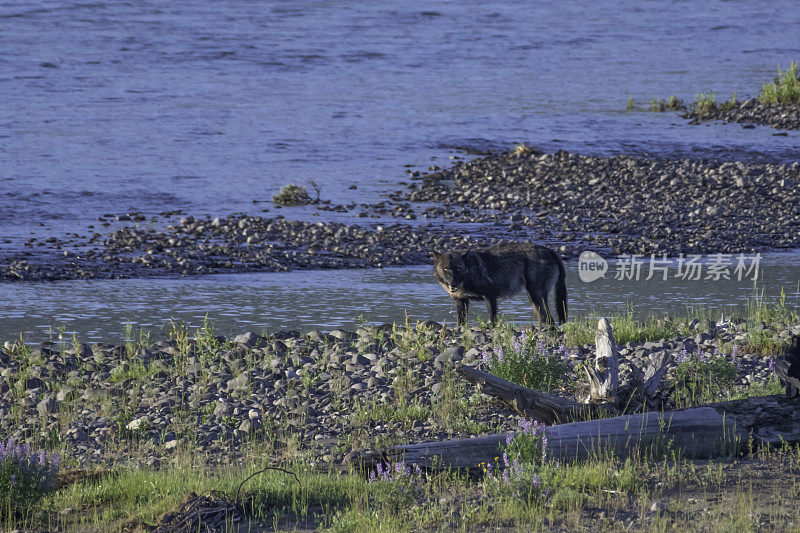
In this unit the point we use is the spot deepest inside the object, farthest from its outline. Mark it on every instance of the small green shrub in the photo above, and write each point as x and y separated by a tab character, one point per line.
25	476
292	195
785	89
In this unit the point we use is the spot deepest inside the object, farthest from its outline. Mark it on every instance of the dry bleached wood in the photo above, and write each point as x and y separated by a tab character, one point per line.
532	404
697	432
604	377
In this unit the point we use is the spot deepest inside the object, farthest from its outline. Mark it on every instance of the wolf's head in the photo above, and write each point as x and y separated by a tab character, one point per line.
450	270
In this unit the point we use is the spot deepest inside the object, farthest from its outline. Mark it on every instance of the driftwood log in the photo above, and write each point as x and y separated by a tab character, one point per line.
530	403
583	431
697	432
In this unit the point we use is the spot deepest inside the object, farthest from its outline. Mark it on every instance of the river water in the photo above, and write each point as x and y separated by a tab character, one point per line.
209	107
100	309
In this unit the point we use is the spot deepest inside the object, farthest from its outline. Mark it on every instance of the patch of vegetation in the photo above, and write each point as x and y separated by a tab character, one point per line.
631	104
522	149
526	361
25	478
705	103
292	194
673	103
785	89
627	327
703	378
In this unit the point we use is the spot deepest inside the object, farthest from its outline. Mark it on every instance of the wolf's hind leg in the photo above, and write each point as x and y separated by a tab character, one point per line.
462	307
491	308
538	299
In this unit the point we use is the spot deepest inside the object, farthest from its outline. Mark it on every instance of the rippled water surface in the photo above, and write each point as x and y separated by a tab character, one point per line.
111	107
100	309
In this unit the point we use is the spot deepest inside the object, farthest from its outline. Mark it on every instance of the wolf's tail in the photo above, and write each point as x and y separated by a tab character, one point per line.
561	293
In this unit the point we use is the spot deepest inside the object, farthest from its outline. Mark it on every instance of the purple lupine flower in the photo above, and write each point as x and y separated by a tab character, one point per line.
489	469
540	347
516	468
701	356
41	458
517	346
771	363
544	445
54	462
417	470
735	350
505	459
523	338
486	358
505	477
372	476
500	353
682	357
509	438
13	479
535	481
525	424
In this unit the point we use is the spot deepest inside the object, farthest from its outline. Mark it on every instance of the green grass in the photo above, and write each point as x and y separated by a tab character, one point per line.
785	89
673	103
705	103
627	327
703	378
602	493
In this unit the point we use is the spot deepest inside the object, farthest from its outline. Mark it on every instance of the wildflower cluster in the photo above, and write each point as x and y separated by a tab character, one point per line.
515	469
527	361
25	476
395	472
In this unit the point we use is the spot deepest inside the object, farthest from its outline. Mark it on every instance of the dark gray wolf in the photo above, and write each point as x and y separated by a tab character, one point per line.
500	272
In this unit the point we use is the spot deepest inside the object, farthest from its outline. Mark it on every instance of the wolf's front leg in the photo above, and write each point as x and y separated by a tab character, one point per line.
462	307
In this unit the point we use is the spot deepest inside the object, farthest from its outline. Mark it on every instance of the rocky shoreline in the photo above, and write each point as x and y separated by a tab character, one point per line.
750	112
572	202
324	394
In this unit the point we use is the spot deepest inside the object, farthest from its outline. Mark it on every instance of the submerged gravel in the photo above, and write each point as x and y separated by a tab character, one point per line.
572	202
325	394
625	204
749	112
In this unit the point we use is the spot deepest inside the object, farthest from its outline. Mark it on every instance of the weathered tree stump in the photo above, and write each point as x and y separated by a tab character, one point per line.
604	377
